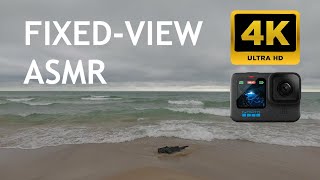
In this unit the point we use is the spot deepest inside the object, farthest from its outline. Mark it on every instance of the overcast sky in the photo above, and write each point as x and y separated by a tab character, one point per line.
204	66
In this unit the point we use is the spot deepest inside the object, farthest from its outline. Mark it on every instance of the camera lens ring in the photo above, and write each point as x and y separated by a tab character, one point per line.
285	88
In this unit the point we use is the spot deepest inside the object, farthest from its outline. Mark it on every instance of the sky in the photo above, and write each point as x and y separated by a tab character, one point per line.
205	66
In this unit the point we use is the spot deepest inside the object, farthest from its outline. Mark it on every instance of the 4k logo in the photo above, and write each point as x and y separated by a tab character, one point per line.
265	37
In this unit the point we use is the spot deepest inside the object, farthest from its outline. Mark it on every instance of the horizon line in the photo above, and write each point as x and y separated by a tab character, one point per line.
26	90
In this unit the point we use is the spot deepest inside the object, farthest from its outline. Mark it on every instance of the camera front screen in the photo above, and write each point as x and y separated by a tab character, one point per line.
251	93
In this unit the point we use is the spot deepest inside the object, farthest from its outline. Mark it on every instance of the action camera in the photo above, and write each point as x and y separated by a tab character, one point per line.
265	97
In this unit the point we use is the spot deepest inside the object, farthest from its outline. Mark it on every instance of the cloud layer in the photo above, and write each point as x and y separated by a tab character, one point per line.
205	64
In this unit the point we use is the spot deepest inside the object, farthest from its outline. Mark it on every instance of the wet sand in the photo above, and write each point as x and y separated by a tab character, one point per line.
221	159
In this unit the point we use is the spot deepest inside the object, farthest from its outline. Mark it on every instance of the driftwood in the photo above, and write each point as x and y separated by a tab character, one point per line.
171	149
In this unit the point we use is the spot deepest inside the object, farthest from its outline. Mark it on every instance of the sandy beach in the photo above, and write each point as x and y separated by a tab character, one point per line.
138	159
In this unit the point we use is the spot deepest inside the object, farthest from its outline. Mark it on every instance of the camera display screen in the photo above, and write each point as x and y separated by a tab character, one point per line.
251	93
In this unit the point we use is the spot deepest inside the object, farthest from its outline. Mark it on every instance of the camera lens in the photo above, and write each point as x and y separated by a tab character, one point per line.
285	89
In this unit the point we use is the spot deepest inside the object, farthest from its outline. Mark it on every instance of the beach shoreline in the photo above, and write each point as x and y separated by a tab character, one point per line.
138	159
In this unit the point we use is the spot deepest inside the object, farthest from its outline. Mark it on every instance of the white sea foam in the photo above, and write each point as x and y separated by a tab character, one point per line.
226	112
272	133
141	108
3	102
186	102
38	103
310	115
214	111
20	99
100	98
140	119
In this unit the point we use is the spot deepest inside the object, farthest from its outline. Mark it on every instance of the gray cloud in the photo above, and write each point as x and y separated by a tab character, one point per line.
206	63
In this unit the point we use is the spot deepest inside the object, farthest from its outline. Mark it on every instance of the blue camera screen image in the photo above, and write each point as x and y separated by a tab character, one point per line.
251	93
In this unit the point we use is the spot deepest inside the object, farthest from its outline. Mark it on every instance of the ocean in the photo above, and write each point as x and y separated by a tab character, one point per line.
31	120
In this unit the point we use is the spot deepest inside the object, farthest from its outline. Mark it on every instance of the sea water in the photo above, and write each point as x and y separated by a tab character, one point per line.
36	119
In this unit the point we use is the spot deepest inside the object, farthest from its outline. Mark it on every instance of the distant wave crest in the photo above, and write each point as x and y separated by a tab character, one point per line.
186	102
38	103
100	98
214	111
310	115
19	99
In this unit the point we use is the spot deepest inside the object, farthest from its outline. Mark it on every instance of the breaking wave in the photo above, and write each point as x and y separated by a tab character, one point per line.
279	133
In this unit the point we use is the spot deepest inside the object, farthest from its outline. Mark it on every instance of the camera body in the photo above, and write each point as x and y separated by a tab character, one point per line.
265	97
